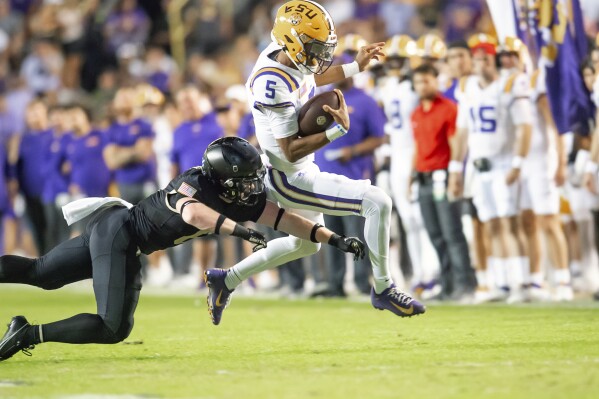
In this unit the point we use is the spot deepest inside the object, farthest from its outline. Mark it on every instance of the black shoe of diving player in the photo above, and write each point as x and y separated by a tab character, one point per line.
12	342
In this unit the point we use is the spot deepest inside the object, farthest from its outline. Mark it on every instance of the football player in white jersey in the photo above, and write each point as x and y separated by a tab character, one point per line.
283	79
543	171
399	101
494	126
591	79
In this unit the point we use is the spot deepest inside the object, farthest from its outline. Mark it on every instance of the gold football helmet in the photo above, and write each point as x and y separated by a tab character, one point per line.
350	43
400	46
431	46
511	45
305	31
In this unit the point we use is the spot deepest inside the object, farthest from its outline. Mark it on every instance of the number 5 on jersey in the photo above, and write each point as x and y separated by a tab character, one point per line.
484	119
270	91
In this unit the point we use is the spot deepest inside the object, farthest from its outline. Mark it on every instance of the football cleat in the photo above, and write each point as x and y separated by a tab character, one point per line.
219	295
563	293
517	295
537	293
397	302
12	342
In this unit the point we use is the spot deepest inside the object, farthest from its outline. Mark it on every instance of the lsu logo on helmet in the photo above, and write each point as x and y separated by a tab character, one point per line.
305	31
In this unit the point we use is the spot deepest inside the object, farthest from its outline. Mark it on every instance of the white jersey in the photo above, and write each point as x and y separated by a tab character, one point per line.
491	114
541	142
595	94
275	95
399	101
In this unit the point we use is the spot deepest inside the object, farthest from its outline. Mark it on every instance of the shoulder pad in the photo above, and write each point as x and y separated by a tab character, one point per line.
509	84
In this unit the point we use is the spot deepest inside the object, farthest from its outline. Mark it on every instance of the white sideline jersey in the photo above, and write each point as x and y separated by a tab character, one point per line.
275	95
541	143
491	114
399	101
595	94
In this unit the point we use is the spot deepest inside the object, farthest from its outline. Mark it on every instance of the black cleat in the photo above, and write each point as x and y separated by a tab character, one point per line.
12	342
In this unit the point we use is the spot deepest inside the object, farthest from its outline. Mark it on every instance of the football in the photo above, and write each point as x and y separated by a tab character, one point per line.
312	118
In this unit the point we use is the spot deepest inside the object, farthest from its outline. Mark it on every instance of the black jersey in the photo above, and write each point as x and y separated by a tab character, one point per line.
157	225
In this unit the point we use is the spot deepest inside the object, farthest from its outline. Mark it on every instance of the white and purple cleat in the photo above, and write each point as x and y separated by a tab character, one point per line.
398	302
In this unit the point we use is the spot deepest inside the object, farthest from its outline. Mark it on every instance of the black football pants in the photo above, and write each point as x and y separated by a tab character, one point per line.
107	254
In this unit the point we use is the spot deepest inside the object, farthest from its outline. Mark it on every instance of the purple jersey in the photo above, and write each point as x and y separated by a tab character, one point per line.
191	140
366	120
450	92
247	128
88	169
126	135
56	182
33	157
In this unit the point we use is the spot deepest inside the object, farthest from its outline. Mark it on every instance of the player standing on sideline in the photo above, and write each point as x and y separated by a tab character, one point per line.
494	125
129	148
543	171
226	189
399	101
283	79
33	153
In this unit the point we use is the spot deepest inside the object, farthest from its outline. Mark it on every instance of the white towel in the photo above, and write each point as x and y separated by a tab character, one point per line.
81	208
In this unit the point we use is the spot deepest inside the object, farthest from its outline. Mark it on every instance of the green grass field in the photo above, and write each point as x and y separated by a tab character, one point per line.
312	349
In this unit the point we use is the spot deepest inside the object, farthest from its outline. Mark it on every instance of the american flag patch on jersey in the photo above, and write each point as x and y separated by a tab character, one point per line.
187	190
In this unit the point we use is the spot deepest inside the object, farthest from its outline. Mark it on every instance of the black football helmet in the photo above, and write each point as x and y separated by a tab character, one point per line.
236	167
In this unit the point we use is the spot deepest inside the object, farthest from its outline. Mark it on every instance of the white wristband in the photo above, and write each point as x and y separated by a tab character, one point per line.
517	162
351	69
591	167
455	167
336	131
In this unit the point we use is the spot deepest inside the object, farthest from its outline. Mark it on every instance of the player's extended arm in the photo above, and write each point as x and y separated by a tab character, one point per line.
338	72
117	156
205	218
458	144
295	147
590	175
303	228
523	136
545	111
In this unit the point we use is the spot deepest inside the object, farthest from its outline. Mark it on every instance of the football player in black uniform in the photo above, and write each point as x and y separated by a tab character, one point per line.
210	199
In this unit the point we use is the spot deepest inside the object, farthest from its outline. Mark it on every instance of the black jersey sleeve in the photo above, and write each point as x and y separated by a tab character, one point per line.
186	184
193	183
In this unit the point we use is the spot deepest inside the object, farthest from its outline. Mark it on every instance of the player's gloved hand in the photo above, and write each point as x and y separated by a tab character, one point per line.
257	239
253	236
348	244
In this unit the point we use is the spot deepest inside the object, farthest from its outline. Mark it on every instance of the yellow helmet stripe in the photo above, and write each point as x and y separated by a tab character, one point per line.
289	80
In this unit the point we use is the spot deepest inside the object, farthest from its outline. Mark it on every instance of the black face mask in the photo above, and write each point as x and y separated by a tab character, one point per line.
245	190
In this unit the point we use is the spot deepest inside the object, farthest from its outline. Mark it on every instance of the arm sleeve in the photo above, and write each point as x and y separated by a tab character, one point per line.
282	121
272	93
273	90
520	106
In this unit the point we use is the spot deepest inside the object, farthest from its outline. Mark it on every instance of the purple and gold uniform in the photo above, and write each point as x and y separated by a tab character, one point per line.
126	135
56	182
191	140
33	154
88	169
